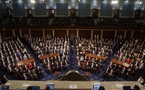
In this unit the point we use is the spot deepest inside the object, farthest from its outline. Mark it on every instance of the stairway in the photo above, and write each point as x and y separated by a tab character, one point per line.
117	46
73	63
28	47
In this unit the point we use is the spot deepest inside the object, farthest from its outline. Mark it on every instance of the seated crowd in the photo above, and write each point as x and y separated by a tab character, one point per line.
90	65
13	51
56	63
132	53
49	46
30	71
96	47
90	56
3	79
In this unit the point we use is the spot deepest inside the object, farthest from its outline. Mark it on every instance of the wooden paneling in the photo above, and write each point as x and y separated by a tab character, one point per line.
128	34
139	34
3	33
17	32
120	33
97	32
25	32
85	34
48	32
36	33
60	33
8	33
109	34
73	32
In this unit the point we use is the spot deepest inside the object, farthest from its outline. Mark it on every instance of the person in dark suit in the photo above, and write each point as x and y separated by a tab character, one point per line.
142	80
136	87
47	88
101	88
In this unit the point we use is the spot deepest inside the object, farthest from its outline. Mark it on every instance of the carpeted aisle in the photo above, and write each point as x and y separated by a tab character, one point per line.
72	58
45	76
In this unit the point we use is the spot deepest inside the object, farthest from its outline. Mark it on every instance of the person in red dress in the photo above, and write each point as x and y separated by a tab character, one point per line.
30	66
128	60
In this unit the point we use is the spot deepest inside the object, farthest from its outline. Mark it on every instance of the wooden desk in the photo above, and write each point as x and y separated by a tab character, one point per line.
65	85
95	56
56	73
120	62
48	55
83	65
21	63
88	74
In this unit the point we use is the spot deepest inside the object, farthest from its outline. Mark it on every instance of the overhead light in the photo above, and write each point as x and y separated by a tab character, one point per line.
32	1
20	1
126	1
104	1
139	2
7	1
114	2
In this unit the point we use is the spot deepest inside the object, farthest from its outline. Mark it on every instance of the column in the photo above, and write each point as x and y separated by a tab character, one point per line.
29	33
13	33
101	34
0	38
115	34
132	34
69	10
20	33
53	33
125	34
77	33
43	33
67	32
91	34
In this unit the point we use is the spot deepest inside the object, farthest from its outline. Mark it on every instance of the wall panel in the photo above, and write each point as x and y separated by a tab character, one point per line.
62	9
127	10
128	34
60	33
139	34
74	32
143	13
9	33
18	9
85	34
25	32
109	34
3	33
36	33
106	9
48	32
40	9
17	32
97	32
120	33
1	9
84	9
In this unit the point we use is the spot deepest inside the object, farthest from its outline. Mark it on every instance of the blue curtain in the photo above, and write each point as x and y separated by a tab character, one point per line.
106	9
127	10
18	9
40	9
62	9
84	9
